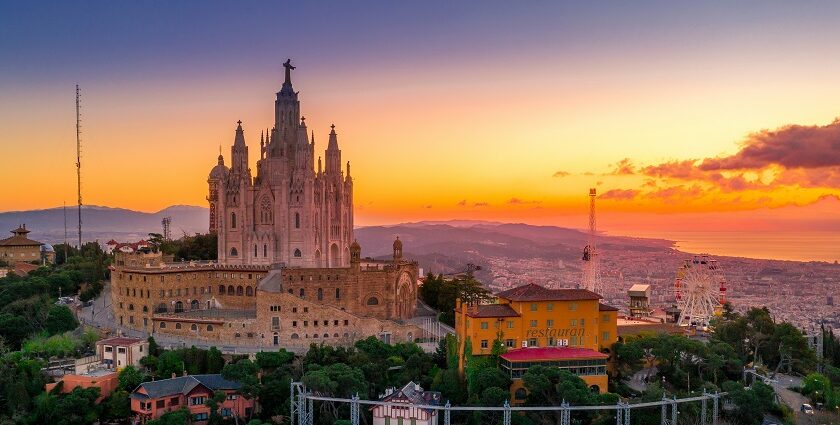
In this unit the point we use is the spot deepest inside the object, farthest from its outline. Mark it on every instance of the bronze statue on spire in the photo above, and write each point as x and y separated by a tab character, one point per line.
289	68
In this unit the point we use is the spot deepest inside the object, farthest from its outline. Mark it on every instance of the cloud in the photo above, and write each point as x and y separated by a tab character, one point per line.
623	167
560	174
517	201
462	203
675	169
481	204
620	194
792	146
427	206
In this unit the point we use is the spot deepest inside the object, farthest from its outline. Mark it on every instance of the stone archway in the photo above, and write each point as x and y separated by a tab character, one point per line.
335	261
403	307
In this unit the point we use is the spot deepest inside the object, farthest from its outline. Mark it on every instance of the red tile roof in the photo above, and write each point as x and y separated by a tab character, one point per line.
491	310
532	292
551	354
605	307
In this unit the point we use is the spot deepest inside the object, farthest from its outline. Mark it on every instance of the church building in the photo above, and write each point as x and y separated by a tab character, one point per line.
289	272
290	212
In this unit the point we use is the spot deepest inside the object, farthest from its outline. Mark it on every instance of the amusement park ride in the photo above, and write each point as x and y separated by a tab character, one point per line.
700	291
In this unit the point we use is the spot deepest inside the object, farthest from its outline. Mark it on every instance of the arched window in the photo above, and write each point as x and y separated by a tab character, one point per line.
221	289
209	327
161	308
297	253
255	250
231	291
131	307
232	220
194	327
302	293
194	305
234	252
297	220
162	325
326	335
295	336
179	307
520	394
145	309
239	290
265	250
320	294
249	291
373	301
177	326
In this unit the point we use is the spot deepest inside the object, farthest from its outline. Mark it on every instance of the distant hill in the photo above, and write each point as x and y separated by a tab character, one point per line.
445	248
439	246
103	223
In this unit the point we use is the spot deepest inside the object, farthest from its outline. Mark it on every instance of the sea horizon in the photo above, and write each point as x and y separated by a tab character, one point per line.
801	246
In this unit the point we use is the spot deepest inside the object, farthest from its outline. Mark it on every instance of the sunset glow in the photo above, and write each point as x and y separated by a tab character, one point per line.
443	113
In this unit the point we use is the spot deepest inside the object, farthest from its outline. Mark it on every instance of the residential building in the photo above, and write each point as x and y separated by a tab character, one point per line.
119	352
410	398
153	399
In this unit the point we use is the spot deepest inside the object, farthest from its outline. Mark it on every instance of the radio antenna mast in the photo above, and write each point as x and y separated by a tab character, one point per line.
79	160
65	231
591	261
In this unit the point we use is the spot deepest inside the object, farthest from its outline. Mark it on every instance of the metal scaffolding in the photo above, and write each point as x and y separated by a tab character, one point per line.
302	408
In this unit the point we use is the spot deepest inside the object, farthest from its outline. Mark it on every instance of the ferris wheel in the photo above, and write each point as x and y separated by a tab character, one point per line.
700	290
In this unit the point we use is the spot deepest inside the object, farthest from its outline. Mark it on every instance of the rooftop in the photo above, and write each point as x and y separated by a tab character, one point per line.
183	385
533	292
120	340
606	307
492	310
551	354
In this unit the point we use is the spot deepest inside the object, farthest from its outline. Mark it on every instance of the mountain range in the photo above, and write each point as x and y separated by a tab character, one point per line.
439	246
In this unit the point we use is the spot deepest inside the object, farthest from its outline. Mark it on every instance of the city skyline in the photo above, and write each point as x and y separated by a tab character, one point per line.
508	114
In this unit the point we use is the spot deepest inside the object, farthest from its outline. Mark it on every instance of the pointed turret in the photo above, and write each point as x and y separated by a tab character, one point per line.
239	151
333	153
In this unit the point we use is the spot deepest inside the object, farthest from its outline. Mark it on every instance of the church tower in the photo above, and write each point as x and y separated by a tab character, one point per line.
290	213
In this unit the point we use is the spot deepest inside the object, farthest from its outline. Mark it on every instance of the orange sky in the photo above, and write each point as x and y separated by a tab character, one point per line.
474	132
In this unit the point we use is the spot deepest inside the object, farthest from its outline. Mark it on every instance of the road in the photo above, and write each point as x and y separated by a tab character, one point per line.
795	400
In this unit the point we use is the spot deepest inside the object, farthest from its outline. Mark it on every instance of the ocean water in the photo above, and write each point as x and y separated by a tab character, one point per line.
798	246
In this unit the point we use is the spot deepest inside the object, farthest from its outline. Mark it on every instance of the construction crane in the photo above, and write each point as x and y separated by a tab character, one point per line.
591	263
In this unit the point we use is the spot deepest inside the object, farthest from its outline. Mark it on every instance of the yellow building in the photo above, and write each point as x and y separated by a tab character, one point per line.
566	328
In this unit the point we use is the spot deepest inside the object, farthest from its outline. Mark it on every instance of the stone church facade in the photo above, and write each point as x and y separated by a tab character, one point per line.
290	212
289	272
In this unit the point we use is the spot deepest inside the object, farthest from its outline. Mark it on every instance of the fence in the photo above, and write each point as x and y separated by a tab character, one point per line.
303	412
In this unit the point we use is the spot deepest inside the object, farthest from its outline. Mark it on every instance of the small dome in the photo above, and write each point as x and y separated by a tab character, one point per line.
355	245
398	243
219	171
47	248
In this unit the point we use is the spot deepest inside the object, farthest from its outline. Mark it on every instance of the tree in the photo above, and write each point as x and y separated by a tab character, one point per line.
117	406
75	408
59	320
168	363
215	361
130	378
176	417
751	404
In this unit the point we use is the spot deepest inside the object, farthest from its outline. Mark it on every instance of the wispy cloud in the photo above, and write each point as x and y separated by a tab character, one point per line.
560	174
517	201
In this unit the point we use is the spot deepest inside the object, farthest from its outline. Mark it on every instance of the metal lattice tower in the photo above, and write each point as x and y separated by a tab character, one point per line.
591	262
700	290
79	159
166	223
